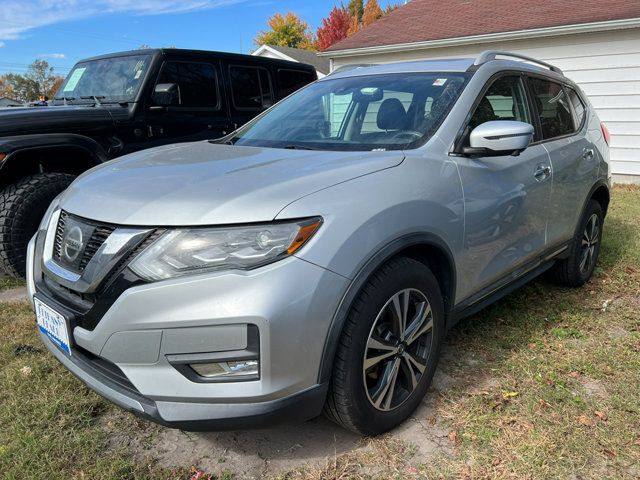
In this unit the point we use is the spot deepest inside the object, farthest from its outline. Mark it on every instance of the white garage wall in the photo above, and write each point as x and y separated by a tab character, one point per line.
606	65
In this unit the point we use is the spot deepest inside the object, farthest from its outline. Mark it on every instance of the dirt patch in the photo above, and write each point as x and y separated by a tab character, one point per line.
274	451
13	295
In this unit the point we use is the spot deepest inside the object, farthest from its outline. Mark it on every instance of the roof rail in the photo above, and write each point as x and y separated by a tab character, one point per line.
489	55
352	66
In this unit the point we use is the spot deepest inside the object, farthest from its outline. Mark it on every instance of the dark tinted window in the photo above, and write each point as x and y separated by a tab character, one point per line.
292	80
197	83
553	108
251	88
578	106
504	100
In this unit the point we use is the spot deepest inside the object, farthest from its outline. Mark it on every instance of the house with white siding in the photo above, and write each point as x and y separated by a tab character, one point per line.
595	43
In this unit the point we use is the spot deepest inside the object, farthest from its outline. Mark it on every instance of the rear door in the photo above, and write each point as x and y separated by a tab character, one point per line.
562	122
505	197
197	112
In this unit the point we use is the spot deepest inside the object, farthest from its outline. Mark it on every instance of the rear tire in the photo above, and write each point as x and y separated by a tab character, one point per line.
22	206
372	352
577	268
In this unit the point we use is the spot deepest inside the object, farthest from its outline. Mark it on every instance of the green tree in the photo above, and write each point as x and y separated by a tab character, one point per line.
38	81
287	30
356	9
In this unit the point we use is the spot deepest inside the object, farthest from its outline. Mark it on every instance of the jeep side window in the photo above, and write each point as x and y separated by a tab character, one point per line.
291	80
251	87
553	107
197	83
505	99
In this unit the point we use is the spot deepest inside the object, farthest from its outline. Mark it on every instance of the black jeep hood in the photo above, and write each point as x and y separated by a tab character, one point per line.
26	120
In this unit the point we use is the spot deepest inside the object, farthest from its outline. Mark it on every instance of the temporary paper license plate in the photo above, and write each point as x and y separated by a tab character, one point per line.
53	325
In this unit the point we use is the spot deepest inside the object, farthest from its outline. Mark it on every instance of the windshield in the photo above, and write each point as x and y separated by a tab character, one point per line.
116	79
390	112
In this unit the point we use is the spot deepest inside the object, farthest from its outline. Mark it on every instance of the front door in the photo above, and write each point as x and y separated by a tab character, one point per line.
505	197
198	110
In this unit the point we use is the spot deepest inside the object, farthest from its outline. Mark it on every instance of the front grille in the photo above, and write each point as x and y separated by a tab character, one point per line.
99	236
93	235
57	244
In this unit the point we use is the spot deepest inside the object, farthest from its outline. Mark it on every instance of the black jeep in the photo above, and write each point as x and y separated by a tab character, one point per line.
116	104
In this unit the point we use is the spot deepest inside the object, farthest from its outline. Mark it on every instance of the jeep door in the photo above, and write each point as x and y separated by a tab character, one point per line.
192	107
251	90
561	114
505	197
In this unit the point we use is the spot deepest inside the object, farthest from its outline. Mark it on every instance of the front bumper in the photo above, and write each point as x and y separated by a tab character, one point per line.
291	303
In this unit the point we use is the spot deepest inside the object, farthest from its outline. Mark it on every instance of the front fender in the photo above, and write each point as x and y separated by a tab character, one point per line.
21	143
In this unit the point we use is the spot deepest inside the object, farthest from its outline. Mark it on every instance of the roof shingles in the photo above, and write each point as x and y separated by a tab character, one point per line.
424	20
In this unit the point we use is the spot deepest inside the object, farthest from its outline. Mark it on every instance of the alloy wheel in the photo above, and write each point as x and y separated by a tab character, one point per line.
398	348
590	239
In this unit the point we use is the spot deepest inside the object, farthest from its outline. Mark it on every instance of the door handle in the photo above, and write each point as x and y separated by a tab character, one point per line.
542	172
588	153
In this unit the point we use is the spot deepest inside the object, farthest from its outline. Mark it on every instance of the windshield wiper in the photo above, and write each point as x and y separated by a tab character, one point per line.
298	147
95	98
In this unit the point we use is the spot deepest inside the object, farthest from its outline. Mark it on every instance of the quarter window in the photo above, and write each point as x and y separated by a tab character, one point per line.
251	88
553	107
197	83
504	100
578	106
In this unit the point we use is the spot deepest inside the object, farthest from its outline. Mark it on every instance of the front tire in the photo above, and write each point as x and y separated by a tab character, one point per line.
577	268
22	206
388	350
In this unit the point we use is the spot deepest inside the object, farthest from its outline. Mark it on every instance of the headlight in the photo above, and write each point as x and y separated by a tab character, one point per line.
181	252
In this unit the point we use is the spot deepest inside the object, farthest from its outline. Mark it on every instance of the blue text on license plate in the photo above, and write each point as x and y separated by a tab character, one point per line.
53	325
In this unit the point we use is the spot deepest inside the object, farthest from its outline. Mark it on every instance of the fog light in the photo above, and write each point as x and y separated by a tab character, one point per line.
239	369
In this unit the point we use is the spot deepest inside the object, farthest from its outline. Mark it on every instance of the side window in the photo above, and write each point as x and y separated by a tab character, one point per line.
578	106
251	87
553	107
505	99
197	83
291	80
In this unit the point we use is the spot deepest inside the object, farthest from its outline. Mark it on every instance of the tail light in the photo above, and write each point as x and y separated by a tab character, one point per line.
605	133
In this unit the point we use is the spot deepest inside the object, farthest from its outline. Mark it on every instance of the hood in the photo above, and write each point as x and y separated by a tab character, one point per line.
25	120
209	184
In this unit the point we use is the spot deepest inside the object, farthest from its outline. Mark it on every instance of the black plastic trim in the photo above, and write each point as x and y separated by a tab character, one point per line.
375	262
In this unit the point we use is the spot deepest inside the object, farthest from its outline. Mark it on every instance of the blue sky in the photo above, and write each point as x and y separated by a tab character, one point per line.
64	31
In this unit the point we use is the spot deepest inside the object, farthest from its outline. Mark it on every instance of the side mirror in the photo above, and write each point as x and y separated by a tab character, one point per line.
166	95
499	137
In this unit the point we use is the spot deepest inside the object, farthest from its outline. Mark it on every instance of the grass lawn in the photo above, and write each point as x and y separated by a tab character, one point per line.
554	394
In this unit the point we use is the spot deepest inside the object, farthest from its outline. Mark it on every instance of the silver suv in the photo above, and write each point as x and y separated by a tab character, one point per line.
315	258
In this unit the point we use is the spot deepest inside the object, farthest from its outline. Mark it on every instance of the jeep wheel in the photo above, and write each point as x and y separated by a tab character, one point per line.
388	350
22	206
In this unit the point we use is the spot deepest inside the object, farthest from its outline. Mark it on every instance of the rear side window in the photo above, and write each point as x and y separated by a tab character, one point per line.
553	108
578	107
291	80
251	87
197	83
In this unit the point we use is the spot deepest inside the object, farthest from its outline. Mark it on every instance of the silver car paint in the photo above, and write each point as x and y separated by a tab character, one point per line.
491	214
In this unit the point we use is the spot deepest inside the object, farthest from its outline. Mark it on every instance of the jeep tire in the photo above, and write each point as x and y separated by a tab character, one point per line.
22	206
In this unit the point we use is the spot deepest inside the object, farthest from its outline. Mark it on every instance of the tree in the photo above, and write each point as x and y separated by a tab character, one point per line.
286	31
372	12
334	28
356	9
38	81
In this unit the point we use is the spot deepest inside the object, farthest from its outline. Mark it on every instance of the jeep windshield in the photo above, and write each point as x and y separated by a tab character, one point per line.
115	79
369	112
